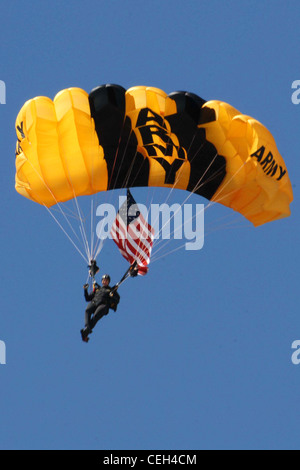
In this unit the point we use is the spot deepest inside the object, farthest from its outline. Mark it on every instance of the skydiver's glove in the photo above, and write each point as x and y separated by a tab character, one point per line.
86	286
134	272
112	292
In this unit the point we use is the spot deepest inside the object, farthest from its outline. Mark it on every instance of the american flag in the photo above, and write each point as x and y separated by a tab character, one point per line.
133	235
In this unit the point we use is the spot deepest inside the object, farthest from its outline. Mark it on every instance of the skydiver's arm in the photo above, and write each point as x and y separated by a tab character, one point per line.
114	299
88	297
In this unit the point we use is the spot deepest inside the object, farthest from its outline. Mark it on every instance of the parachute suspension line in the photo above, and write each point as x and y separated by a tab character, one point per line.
144	242
63	214
173	187
164	245
94	201
116	156
155	259
197	186
82	229
183	245
210	204
99	249
231	224
92	209
100	242
54	199
79	217
67	235
175	183
149	205
123	156
177	180
92	228
127	178
128	175
114	164
61	211
130	171
69	214
98	246
126	182
228	226
93	246
85	243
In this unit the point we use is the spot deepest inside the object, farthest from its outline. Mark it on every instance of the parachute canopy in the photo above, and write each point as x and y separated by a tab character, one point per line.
80	144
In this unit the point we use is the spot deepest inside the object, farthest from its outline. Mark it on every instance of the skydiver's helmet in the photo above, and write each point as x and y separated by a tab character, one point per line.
106	276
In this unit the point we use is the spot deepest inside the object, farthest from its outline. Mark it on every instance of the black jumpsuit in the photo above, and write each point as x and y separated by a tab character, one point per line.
99	304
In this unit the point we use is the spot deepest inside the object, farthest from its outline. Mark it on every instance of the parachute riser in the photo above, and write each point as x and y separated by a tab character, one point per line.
93	270
127	275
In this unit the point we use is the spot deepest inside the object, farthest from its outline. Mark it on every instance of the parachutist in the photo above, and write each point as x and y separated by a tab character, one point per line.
101	300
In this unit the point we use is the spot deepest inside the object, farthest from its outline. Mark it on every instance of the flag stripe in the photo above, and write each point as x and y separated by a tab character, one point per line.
135	241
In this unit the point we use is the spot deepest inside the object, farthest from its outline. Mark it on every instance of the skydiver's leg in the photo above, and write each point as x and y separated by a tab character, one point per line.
88	314
100	312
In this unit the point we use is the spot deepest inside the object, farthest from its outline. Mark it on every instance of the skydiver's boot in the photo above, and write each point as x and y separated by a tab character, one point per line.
85	334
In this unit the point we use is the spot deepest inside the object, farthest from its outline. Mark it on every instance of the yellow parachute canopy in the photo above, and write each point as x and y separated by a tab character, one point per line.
80	144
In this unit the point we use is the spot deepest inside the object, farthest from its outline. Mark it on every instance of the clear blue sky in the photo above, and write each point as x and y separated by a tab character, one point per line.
199	354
